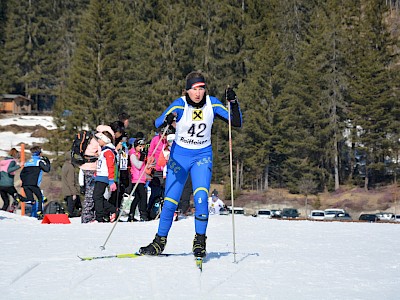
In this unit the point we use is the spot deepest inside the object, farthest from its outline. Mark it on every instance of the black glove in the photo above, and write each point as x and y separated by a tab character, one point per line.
170	118
46	159
142	156
230	95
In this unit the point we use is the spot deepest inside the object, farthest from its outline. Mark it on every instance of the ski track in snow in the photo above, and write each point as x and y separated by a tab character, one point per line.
29	269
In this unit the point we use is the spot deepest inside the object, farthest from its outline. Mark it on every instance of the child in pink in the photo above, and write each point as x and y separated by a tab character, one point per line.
137	158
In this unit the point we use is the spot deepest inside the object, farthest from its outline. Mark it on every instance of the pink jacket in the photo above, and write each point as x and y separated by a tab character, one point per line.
153	145
137	167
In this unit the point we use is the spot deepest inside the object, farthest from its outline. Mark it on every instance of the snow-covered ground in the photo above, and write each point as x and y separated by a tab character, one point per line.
275	259
9	139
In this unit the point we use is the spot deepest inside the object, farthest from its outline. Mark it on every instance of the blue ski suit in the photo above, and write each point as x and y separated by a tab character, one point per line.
192	152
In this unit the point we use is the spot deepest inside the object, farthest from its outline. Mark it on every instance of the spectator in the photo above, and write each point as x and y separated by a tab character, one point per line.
122	173
164	155
89	170
124	118
69	189
104	178
215	205
154	141
8	166
137	157
31	177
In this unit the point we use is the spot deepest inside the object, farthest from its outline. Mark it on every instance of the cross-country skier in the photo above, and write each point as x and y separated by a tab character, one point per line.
192	116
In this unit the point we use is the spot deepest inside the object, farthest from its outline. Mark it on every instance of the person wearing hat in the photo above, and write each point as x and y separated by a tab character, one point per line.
215	205
31	177
192	115
68	186
104	178
137	156
89	170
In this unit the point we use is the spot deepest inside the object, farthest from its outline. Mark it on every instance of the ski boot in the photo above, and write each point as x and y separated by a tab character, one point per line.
131	218
156	247
40	215
199	245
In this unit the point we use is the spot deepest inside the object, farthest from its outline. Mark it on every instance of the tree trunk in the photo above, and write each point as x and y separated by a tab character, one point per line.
337	185
266	183
237	186
241	174
366	176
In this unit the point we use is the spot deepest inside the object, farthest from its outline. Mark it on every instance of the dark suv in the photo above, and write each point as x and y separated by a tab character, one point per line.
368	218
290	213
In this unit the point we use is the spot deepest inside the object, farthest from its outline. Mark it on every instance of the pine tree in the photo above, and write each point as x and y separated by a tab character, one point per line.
371	89
17	48
68	15
323	58
3	19
88	94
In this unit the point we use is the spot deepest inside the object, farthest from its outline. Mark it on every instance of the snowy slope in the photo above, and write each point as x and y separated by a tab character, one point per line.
9	139
275	260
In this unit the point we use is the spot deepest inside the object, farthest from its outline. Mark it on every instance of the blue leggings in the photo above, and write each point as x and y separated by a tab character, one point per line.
199	164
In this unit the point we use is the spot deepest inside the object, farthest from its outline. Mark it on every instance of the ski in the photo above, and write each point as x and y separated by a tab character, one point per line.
199	263
123	255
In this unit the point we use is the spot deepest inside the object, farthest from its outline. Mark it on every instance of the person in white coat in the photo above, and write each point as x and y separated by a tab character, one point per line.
215	204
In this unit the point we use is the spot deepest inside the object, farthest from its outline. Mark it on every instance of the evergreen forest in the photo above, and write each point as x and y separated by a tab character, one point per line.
317	81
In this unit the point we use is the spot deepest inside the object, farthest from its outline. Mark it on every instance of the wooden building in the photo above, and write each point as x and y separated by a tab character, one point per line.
15	104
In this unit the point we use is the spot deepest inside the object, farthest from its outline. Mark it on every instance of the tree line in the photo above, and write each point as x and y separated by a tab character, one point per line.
317	80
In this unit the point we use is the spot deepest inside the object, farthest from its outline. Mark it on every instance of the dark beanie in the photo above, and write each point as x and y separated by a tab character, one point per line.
138	142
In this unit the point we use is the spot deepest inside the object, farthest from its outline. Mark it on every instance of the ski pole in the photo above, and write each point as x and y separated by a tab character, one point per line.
103	247
231	173
118	177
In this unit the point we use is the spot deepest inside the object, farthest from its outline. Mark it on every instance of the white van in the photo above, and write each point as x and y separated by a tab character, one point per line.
264	213
317	215
330	213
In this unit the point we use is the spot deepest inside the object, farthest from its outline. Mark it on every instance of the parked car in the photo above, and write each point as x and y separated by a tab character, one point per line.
385	216
276	213
264	213
317	215
342	217
331	212
397	218
368	218
290	213
238	210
